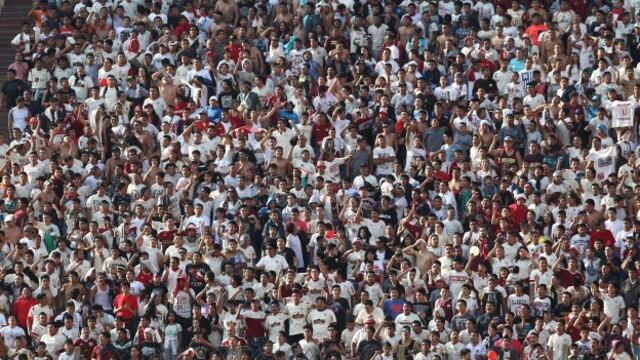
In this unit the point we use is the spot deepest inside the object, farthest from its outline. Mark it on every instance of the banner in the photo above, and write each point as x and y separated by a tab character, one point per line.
604	162
621	114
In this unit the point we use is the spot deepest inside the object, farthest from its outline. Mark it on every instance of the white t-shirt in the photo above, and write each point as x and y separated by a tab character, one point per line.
543	278
515	302
297	317
332	170
39	78
559	344
379	153
377	229
405	320
315	289
19	116
320	320
277	263
275	324
612	307
53	343
456	279
94	201
10	334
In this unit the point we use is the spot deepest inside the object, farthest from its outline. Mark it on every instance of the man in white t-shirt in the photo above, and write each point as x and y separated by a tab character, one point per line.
53	341
383	157
614	304
11	332
297	313
559	343
198	219
320	318
272	262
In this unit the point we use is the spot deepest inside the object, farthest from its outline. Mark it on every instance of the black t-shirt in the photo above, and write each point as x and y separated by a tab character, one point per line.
340	307
492	296
367	349
203	324
202	351
226	99
159	290
288	254
35	108
150	349
196	273
423	310
534	159
189	52
562	310
389	216
67	94
12	89
488	85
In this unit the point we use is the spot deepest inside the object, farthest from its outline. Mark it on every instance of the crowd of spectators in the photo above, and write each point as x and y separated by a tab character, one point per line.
342	179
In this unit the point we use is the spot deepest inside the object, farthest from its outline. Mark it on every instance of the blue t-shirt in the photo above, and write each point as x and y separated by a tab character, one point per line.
393	308
289	115
515	65
213	114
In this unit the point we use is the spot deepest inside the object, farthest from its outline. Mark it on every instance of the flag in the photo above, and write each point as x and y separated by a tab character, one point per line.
622	114
604	162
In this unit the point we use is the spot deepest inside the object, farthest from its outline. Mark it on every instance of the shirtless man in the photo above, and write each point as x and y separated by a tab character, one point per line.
244	30
12	233
549	42
594	216
113	162
282	14
73	284
423	257
229	10
442	39
254	55
168	90
244	166
45	196
390	137
283	165
406	30
219	29
145	139
536	8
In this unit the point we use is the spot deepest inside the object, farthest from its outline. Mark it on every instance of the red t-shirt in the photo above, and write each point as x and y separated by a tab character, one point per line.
235	50
86	347
253	321
120	301
21	309
102	354
166	237
518	213
145	277
319	132
566	277
605	235
533	31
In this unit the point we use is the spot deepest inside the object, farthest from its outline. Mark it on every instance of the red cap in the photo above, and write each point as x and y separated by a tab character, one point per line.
210	53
